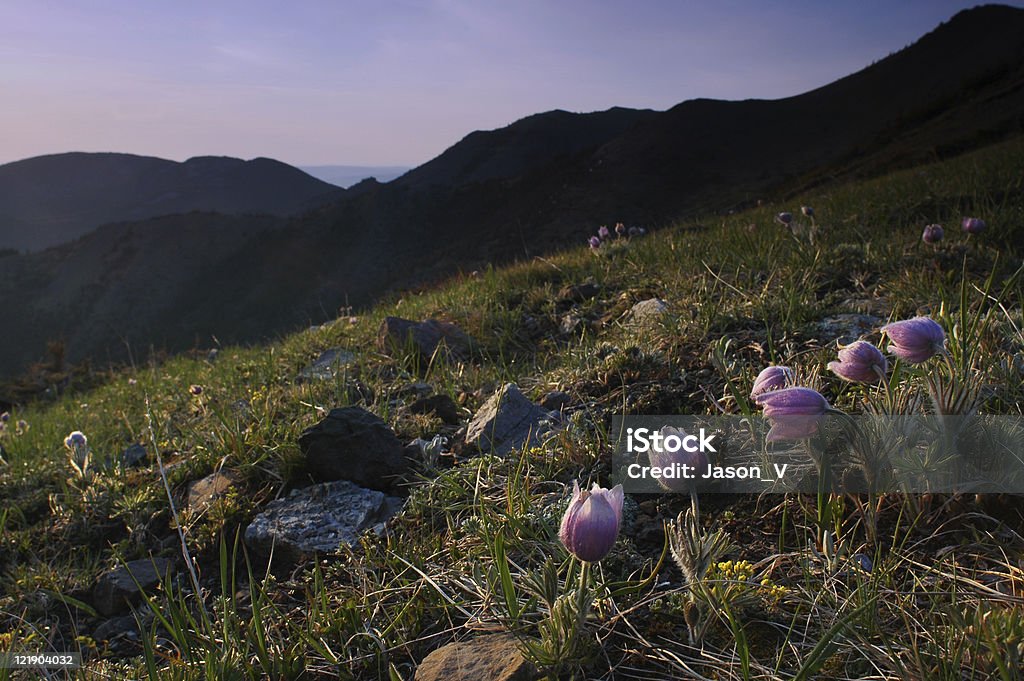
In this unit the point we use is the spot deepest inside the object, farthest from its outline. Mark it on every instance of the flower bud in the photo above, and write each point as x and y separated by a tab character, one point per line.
915	340
860	362
604	233
662	457
771	378
807	211
973	225
932	234
591	523
595	242
76	440
784	218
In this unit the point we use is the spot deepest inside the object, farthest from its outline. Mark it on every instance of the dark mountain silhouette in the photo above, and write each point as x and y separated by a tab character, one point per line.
535	186
48	200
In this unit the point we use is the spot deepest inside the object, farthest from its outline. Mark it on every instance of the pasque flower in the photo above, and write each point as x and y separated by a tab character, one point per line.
932	234
784	218
793	412
662	457
771	378
603	232
76	440
860	362
620	229
807	211
973	225
915	340
594	241
591	523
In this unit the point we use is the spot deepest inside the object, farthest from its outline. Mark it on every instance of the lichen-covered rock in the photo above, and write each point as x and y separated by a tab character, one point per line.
327	366
648	311
507	421
319	519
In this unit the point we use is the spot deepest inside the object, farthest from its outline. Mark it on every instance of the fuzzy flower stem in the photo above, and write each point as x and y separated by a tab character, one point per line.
583	600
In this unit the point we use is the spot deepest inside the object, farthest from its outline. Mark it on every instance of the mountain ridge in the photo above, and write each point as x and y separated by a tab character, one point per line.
55	198
486	201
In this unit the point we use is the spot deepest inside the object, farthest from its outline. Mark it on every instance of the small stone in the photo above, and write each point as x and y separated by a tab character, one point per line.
116	589
319	519
116	627
556	400
441	406
494	658
203	493
576	293
648	311
353	444
507	421
847	327
426	339
327	366
135	455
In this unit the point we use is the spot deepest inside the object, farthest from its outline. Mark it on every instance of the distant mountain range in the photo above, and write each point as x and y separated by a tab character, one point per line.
541	183
346	176
49	200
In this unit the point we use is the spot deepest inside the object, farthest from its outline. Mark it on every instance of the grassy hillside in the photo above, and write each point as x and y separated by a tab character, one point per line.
939	598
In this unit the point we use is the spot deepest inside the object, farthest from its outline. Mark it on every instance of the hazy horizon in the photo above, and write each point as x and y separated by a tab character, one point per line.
365	85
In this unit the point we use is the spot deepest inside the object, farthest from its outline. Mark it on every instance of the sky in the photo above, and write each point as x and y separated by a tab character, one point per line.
396	82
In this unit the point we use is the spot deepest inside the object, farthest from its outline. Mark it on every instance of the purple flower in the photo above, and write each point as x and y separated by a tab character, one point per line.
860	362
603	232
793	412
620	229
932	234
594	241
973	225
634	231
196	390
591	523
915	340
784	218
5	417
641	230
76	440
771	378
670	453
807	211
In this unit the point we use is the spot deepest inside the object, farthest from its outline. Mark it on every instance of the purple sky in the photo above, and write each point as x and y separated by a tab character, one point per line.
397	82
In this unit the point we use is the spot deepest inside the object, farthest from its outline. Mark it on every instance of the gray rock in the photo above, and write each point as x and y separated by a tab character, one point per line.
507	421
202	494
441	406
124	626
327	366
494	658
556	400
576	293
135	455
397	337
648	311
847	327
319	519
116	589
353	444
